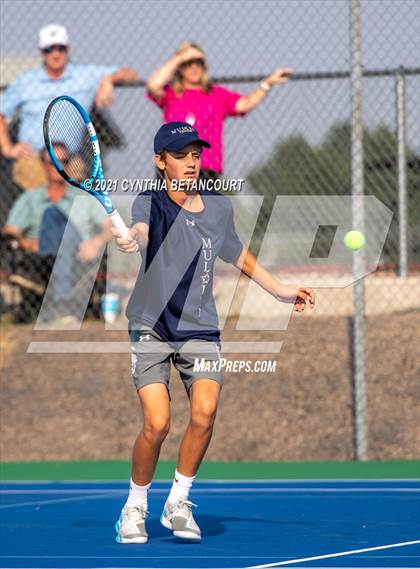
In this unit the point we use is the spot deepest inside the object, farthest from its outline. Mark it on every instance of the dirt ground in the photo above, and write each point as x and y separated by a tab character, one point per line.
83	406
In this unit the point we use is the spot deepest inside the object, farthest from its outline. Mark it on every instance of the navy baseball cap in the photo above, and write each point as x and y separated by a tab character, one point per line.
174	136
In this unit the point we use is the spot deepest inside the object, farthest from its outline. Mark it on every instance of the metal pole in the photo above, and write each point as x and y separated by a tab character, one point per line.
360	411
402	173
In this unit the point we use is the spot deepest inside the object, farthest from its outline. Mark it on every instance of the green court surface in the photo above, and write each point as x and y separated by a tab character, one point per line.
120	470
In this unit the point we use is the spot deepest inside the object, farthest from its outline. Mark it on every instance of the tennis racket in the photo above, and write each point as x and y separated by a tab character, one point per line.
67	123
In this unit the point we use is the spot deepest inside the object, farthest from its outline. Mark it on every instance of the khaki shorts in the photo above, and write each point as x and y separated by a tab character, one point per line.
151	358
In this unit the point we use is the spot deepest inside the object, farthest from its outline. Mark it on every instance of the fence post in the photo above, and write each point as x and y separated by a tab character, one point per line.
402	173
360	411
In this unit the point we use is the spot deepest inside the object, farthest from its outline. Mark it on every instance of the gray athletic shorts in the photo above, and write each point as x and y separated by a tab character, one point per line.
151	358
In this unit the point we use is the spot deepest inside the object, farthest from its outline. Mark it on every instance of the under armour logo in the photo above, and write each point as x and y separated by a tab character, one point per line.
190	222
145	337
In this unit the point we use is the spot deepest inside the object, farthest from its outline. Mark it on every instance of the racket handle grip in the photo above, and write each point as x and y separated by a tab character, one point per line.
118	223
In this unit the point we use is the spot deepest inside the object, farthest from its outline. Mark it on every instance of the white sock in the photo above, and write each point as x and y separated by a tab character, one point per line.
138	494
180	487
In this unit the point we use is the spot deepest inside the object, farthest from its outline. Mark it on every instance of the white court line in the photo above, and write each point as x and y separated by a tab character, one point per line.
131	567
331	555
245	489
206	568
297	490
57	501
94	494
223	481
65	491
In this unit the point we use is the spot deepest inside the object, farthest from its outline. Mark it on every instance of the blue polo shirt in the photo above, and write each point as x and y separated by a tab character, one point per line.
173	293
28	210
31	92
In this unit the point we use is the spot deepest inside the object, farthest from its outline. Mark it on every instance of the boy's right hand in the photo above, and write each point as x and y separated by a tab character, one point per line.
128	244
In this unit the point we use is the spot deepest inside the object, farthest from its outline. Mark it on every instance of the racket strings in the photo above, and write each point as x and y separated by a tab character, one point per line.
67	127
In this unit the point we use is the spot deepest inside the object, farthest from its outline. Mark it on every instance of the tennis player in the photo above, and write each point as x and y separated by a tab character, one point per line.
172	319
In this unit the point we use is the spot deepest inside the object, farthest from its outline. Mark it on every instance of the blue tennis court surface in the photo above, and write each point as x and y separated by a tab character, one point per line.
244	524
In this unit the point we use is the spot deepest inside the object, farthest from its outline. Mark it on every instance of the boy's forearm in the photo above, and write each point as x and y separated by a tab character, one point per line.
248	264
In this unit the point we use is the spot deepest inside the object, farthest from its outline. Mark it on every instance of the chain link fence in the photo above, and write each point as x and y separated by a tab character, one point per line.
296	143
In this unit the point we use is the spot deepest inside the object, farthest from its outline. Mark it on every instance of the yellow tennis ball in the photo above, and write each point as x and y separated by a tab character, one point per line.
354	240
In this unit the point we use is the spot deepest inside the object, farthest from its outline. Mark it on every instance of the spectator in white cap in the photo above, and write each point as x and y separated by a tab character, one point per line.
31	92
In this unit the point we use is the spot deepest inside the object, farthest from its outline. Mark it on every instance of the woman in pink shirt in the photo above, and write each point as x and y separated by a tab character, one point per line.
182	89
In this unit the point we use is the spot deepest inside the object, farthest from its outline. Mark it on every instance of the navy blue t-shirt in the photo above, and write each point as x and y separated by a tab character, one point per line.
173	292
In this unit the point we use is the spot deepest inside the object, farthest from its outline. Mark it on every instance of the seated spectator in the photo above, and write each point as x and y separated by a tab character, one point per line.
37	221
31	92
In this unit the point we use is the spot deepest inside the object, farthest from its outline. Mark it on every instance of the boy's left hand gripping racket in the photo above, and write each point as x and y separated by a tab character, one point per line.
67	124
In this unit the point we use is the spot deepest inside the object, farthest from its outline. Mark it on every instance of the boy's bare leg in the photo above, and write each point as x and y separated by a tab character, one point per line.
177	512
155	402
131	525
204	396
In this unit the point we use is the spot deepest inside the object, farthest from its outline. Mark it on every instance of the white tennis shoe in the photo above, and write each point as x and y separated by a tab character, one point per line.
131	526
178	518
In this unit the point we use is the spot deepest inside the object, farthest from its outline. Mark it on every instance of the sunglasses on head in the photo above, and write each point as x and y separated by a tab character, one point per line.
51	48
